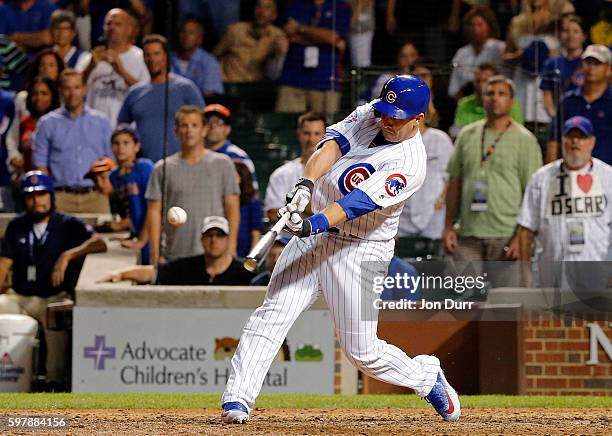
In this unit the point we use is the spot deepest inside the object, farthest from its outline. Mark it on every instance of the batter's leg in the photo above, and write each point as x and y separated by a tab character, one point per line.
347	282
294	286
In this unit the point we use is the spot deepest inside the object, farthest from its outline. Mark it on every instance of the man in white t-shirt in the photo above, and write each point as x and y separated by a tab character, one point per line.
424	212
567	208
115	66
310	130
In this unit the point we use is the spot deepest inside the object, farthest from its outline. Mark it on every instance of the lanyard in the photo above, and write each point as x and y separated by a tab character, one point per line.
34	241
485	156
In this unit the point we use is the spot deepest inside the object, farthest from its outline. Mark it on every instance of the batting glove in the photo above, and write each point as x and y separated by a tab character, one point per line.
296	225
318	223
300	194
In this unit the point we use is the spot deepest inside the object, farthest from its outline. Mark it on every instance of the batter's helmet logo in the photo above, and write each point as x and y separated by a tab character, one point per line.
391	97
395	184
34	179
353	176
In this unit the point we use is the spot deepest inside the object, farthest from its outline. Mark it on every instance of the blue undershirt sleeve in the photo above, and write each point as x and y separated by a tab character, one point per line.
357	203
344	144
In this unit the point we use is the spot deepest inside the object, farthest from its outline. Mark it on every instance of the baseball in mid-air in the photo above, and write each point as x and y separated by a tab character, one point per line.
176	216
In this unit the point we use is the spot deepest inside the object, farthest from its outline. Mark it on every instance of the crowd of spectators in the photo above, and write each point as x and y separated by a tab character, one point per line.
117	119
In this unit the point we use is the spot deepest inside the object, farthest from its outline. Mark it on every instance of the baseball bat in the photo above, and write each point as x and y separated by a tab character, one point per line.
259	252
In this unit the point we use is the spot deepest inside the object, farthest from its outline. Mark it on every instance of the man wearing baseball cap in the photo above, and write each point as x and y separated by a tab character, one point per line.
592	100
218	118
43	253
566	206
215	267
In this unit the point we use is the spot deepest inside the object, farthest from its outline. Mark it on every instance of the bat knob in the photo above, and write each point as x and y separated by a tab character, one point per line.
250	264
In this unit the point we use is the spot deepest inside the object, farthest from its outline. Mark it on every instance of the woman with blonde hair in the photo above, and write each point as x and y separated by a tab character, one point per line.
482	31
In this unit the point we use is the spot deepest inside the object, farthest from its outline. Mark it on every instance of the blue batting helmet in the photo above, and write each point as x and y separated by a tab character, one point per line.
403	97
37	181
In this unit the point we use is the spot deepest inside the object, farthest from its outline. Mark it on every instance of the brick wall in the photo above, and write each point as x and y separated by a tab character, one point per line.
556	351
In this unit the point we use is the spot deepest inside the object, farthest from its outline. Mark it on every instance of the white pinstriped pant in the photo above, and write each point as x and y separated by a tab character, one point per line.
332	264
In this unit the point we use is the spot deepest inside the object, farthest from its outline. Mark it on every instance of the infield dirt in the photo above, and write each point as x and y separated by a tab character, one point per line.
336	421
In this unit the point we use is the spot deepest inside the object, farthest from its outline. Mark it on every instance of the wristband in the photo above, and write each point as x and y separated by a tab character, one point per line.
309	184
318	224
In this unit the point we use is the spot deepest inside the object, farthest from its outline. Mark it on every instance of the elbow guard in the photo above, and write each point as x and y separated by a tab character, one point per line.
344	144
356	204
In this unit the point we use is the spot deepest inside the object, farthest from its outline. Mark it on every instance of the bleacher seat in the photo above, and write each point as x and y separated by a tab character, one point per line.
243	120
277	121
255	96
264	168
287	137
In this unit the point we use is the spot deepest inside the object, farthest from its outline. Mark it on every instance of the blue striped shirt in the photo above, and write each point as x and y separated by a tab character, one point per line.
67	146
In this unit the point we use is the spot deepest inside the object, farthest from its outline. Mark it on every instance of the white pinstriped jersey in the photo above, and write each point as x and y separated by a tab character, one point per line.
389	174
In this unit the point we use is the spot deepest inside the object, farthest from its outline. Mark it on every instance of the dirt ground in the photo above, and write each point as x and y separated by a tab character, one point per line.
336	421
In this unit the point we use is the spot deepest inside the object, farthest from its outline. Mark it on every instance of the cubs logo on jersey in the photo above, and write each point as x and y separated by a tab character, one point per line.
394	184
353	176
576	79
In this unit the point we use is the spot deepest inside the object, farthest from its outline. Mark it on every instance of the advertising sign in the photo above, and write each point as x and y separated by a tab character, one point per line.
170	350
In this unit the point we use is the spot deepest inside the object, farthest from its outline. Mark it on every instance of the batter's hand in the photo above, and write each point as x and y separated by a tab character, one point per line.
299	196
296	225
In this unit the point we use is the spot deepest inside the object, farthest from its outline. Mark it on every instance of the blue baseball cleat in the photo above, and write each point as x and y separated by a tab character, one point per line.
444	399
234	413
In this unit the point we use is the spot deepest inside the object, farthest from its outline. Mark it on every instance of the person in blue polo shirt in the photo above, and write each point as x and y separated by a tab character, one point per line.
593	100
27	22
317	31
193	62
45	250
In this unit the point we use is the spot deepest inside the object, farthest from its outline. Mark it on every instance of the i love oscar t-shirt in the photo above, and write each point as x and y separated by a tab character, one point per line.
570	211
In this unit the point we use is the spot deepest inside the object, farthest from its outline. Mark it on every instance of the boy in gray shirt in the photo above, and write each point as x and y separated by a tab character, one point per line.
200	181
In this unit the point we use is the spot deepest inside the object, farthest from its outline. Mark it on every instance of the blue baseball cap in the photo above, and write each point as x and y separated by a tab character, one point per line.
581	123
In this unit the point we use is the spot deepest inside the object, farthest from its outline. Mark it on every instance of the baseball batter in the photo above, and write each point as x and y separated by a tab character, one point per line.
358	179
